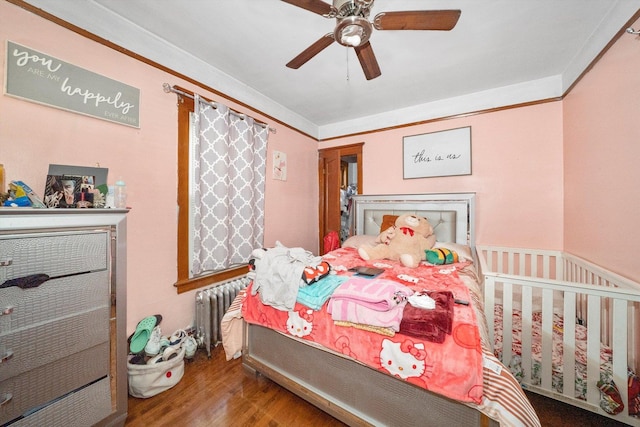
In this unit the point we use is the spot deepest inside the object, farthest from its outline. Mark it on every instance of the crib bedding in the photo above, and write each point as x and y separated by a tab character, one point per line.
610	399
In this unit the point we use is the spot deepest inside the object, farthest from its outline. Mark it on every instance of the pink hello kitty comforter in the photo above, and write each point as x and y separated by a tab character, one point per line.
453	368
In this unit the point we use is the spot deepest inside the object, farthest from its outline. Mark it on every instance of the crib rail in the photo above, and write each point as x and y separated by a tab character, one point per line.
576	269
526	281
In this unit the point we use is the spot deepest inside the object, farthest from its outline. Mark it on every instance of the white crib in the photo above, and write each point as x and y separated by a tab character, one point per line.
549	283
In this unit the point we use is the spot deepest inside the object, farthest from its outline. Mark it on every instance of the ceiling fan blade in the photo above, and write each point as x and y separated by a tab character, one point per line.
443	20
368	61
315	6
322	43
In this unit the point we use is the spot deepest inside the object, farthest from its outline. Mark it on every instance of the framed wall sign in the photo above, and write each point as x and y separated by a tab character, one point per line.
443	153
44	79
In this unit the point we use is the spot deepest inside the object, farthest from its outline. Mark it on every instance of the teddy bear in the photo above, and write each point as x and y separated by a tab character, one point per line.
407	241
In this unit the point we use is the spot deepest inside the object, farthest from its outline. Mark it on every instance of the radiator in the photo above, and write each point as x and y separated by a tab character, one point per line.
211	305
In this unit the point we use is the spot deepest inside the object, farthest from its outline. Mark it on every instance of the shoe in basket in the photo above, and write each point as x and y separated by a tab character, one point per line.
177	339
153	345
190	346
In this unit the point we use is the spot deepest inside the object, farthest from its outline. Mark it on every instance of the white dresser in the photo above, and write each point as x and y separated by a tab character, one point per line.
63	344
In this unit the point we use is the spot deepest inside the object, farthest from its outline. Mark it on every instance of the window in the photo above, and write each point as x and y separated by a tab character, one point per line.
186	280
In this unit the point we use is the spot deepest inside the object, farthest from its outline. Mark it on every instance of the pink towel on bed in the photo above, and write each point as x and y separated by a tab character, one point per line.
376	302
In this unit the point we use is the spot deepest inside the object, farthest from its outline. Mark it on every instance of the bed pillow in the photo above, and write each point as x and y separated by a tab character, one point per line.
358	240
388	221
463	251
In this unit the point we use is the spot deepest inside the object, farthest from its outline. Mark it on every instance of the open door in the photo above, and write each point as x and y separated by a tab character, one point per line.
340	174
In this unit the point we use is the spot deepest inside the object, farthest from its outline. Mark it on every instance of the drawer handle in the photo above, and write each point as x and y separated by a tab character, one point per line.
6	311
6	397
6	356
6	262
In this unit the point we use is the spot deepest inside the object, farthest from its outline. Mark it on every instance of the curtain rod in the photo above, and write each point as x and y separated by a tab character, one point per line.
170	89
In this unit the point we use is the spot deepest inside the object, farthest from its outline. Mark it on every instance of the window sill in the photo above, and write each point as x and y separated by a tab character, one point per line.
202	281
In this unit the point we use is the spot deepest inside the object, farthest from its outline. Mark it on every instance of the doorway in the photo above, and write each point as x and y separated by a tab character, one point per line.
340	177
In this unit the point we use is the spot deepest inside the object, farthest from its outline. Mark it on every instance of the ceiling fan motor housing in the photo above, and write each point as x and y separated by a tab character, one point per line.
352	7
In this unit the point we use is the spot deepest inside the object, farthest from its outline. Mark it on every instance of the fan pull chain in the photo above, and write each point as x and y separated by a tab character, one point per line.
347	53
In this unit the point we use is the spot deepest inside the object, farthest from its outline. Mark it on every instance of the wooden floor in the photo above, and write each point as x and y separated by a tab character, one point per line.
214	392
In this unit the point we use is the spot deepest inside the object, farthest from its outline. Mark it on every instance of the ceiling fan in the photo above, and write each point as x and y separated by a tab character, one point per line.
353	28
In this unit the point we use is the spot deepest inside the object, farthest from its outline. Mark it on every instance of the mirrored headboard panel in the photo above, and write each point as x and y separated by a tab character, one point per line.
452	215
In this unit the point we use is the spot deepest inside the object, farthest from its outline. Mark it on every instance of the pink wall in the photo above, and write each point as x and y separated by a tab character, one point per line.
516	172
602	150
32	136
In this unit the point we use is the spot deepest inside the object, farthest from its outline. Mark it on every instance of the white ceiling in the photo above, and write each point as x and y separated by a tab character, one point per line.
501	52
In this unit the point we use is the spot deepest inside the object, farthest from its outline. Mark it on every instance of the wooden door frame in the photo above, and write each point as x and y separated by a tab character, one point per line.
345	150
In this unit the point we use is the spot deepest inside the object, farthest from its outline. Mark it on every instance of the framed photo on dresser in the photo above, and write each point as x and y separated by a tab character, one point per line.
68	191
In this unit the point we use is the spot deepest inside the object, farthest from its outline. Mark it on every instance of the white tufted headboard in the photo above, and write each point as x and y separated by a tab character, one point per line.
452	215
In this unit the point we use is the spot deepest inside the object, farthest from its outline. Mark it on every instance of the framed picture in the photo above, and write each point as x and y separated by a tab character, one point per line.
443	153
279	165
66	191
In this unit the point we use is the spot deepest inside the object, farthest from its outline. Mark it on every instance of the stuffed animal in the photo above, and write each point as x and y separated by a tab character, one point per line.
440	256
407	241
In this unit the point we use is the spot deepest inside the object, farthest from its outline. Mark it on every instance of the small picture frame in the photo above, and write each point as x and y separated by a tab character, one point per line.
65	191
84	199
279	165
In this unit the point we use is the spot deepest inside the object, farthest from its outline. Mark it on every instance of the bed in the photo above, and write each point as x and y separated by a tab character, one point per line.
574	328
360	393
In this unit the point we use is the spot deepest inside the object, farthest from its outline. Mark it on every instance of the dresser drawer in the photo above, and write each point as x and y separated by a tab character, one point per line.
54	299
42	385
31	348
80	409
55	254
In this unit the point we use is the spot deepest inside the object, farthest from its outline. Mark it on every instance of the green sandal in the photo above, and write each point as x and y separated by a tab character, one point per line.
141	335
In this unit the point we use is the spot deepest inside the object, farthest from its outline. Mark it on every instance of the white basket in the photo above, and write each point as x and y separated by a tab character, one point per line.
149	380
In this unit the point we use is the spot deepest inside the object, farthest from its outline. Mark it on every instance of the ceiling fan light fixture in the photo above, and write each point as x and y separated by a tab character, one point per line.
344	8
351	35
352	31
351	40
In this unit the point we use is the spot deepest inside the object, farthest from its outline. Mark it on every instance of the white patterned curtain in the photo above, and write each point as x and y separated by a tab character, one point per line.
230	154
